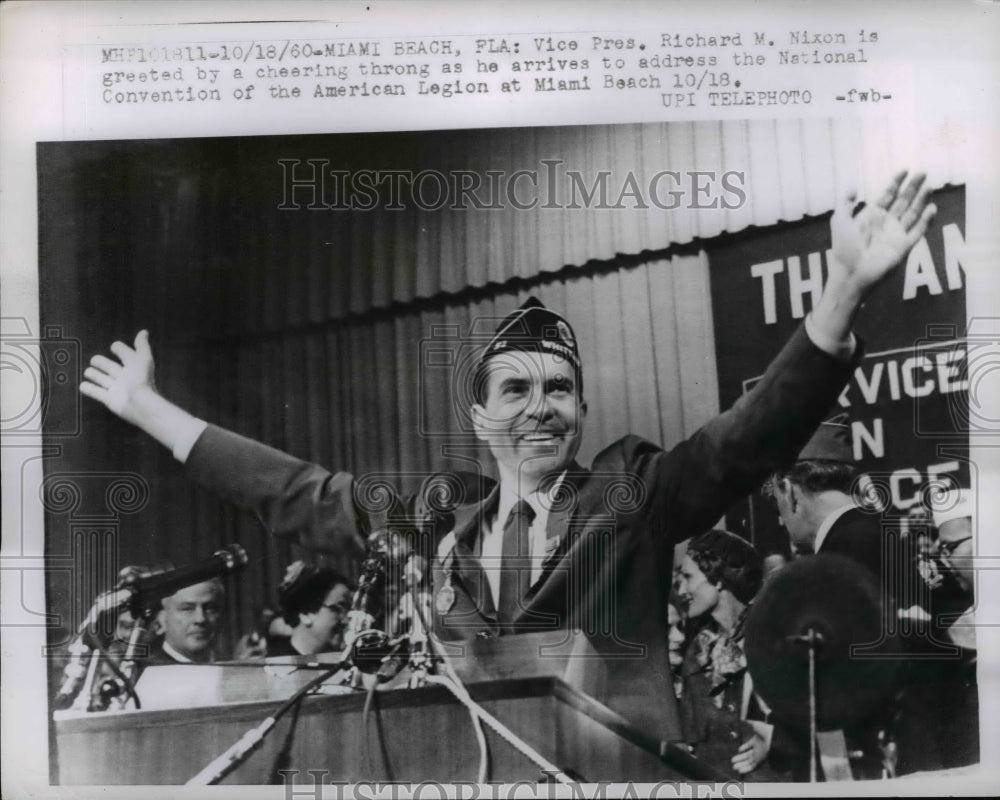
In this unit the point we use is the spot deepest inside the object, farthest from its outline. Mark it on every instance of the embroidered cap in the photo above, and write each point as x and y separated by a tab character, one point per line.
533	328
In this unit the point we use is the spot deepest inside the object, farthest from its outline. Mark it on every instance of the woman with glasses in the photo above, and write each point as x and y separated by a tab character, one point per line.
314	602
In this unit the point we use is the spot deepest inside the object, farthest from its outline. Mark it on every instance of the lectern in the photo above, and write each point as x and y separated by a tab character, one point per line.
412	735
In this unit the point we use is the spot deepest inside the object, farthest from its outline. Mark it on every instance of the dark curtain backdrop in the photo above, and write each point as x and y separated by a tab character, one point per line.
197	222
315	331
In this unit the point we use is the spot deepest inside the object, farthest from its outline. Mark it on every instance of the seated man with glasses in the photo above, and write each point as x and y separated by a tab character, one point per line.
943	695
953	517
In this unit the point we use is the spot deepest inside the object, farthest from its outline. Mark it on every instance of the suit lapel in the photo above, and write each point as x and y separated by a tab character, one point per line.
468	568
557	529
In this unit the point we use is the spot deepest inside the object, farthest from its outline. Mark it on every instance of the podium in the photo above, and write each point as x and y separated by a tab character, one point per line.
413	735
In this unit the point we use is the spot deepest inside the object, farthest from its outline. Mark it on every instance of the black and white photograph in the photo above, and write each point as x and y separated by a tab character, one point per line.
502	452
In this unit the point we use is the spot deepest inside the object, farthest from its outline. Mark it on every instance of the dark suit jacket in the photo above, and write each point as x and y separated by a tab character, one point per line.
159	657
610	572
929	668
891	559
857	535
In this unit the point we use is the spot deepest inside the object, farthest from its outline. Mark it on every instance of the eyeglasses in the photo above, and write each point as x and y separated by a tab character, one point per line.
768	491
948	548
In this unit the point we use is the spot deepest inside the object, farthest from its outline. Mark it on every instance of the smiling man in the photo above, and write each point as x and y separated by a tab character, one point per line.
553	545
529	409
529	392
190	622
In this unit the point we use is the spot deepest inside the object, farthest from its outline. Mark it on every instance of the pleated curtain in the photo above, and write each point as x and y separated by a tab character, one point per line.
316	331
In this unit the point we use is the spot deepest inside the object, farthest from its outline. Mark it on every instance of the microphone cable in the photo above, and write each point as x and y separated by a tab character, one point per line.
121	681
283	759
366	714
252	739
454	684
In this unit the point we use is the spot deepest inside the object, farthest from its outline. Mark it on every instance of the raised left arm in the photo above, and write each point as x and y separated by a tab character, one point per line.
867	245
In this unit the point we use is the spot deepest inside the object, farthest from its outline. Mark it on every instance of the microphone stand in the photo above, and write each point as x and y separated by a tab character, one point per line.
360	631
813	640
74	693
415	607
82	701
220	767
122	687
480	716
421	659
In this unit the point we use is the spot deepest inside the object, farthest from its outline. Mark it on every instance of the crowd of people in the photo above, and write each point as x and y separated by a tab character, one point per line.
533	550
312	604
927	720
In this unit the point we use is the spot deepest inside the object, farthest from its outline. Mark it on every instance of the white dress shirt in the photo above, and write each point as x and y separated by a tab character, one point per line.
492	532
174	654
826	524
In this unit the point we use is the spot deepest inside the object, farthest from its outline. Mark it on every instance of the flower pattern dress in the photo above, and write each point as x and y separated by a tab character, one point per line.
713	675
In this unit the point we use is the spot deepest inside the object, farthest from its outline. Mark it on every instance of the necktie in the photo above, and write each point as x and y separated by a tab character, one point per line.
515	565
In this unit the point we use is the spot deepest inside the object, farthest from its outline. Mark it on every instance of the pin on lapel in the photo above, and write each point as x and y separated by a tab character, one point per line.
445	598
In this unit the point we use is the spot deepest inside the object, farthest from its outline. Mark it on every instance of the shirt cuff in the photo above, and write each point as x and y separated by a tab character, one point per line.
187	435
842	349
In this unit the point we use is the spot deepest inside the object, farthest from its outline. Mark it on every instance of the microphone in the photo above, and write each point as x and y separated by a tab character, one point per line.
150	589
414	571
413	611
415	602
111	689
363	643
392	664
74	674
80	649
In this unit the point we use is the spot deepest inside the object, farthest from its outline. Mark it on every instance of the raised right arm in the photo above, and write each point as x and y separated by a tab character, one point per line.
292	498
127	388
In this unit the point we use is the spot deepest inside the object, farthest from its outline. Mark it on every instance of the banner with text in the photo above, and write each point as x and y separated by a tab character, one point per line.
907	401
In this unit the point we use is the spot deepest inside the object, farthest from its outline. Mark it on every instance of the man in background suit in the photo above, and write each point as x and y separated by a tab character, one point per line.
932	717
554	545
814	497
189	620
815	500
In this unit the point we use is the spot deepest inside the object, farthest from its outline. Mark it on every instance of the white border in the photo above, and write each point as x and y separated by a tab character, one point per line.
942	57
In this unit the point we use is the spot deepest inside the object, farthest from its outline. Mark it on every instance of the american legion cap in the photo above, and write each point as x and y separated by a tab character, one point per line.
533	328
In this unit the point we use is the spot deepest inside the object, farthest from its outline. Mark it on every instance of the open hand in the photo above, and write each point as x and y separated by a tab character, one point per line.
117	384
754	750
868	244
